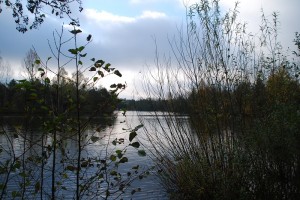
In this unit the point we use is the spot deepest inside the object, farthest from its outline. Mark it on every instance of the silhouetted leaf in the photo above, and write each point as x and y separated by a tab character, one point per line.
123	160
141	152
70	168
136	167
101	73
117	73
94	139
89	37
132	135
113	158
95	78
113	86
138	127
93	69
76	31
80	48
73	51
135	144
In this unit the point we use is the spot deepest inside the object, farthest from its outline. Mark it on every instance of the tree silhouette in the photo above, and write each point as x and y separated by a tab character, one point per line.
38	8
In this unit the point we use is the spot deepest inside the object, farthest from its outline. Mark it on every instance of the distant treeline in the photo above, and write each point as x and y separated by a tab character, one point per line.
244	98
177	104
19	97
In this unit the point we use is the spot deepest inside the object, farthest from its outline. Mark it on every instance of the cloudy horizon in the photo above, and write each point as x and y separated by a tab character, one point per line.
124	31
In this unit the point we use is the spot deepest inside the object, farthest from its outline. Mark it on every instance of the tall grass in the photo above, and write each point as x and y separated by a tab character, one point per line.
241	137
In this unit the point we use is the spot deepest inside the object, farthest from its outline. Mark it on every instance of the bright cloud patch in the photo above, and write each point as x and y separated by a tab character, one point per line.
153	15
106	16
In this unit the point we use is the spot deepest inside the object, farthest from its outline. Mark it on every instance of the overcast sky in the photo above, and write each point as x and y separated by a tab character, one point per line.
123	30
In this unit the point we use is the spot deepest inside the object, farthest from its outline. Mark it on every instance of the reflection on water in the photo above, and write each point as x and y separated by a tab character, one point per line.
30	147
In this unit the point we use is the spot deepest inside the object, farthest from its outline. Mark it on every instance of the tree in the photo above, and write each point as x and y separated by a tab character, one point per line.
31	65
36	8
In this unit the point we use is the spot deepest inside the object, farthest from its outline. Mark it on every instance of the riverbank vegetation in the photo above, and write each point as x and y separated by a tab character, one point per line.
55	151
243	95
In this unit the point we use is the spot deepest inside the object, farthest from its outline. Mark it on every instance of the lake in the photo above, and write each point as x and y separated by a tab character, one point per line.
32	159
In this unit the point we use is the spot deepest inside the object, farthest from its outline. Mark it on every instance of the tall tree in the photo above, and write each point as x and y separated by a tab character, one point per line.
21	11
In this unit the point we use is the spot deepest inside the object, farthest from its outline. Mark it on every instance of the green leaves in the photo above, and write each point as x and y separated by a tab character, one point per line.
113	158
95	78
73	51
37	62
77	50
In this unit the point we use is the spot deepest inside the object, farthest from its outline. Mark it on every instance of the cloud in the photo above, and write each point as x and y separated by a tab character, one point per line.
104	16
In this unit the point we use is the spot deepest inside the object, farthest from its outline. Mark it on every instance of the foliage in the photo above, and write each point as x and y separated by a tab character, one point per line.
35	8
241	137
57	162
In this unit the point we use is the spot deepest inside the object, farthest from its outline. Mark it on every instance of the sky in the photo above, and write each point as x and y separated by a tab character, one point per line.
124	32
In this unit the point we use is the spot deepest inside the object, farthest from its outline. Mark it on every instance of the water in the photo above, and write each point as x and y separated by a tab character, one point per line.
30	147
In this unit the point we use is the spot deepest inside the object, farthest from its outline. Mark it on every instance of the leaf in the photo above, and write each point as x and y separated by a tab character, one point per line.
94	139
93	69
117	73
80	48
118	151
79	62
70	168
141	152
132	135
41	69
138	127
99	63
73	51
47	80
37	62
135	144
93	59
82	55
123	160
120	155
95	78
107	66
101	73
76	31
113	86
113	158
136	167
89	37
